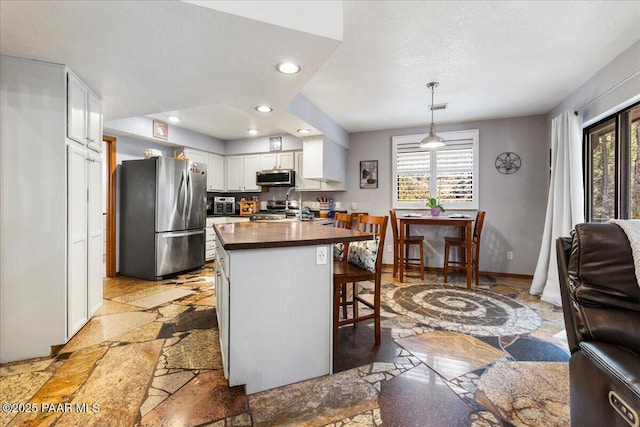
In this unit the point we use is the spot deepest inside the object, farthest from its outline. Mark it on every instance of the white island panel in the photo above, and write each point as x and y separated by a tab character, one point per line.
280	305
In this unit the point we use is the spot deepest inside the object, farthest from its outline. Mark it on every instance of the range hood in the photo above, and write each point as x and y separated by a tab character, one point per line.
324	160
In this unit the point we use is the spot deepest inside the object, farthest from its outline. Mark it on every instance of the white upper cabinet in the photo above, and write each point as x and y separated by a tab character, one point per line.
215	172
241	172
304	184
268	161
195	155
251	166
84	114
286	160
235	177
215	167
77	108
94	122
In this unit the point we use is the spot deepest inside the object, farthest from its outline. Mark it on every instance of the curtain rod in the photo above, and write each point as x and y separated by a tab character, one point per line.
608	91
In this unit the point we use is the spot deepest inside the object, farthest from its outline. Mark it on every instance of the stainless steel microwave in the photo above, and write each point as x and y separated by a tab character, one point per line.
276	178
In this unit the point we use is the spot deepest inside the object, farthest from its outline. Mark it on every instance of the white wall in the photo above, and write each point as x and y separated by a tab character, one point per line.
515	204
33	206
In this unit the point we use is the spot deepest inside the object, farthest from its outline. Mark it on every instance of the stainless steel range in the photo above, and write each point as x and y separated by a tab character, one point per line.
277	210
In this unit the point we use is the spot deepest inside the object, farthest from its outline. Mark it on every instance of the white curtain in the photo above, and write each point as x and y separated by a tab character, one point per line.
565	205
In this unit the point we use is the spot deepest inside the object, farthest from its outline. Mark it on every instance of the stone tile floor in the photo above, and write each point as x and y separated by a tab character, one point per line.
150	357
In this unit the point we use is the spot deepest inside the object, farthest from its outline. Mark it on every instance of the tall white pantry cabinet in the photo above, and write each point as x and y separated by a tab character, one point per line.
50	207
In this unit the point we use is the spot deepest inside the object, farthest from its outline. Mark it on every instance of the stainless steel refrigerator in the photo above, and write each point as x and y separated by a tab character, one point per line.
163	204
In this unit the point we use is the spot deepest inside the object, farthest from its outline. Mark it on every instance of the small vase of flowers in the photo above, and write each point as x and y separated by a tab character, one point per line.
436	208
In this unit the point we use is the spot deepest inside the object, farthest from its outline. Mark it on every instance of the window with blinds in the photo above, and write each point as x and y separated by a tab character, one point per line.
448	173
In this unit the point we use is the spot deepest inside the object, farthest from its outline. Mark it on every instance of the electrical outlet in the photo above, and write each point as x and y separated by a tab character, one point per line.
321	255
509	254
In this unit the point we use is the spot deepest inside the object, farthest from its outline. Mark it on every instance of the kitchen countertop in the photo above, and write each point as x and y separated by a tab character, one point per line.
229	215
286	233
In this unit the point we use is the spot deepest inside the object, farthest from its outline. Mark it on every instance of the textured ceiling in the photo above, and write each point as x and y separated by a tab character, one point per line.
492	59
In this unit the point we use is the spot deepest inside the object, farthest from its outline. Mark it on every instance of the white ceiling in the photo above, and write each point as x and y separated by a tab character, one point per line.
492	58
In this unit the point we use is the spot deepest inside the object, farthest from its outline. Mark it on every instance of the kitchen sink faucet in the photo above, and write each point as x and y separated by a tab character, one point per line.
286	205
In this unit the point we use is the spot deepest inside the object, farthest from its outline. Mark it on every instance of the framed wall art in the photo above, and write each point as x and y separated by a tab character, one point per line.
160	130
275	143
369	174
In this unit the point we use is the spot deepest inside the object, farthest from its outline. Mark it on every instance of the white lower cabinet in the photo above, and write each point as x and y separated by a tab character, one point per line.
222	306
84	223
210	243
78	242
210	240
95	264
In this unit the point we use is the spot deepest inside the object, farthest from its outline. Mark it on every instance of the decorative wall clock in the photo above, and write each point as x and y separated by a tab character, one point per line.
508	163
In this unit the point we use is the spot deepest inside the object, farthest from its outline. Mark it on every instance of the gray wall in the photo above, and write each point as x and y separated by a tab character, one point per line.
611	89
133	149
515	204
141	127
307	111
260	144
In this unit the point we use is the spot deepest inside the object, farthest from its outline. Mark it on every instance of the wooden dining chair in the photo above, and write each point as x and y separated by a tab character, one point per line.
461	243
342	220
408	241
363	262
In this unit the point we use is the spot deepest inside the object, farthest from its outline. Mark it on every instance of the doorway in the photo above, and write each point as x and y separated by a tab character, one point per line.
109	204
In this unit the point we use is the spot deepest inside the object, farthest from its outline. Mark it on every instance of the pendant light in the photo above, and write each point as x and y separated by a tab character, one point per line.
432	140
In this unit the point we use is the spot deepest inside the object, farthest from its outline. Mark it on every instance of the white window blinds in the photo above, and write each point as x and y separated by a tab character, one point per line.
448	173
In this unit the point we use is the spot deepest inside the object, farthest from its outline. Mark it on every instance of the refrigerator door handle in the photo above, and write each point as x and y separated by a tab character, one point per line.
190	187
183	189
186	233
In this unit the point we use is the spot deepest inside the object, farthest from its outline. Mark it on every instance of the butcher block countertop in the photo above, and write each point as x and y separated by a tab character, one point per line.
276	234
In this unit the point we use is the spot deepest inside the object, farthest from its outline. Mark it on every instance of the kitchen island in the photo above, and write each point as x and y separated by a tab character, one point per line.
274	296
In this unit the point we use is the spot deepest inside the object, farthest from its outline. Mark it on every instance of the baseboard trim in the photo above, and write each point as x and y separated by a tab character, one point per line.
488	273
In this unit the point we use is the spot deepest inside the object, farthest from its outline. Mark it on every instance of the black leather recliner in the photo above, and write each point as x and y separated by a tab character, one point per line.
601	306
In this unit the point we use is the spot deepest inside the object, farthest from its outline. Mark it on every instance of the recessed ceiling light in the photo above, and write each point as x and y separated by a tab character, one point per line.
252	131
288	68
264	109
304	131
173	119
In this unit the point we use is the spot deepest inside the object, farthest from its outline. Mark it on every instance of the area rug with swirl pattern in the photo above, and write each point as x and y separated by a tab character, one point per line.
476	312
